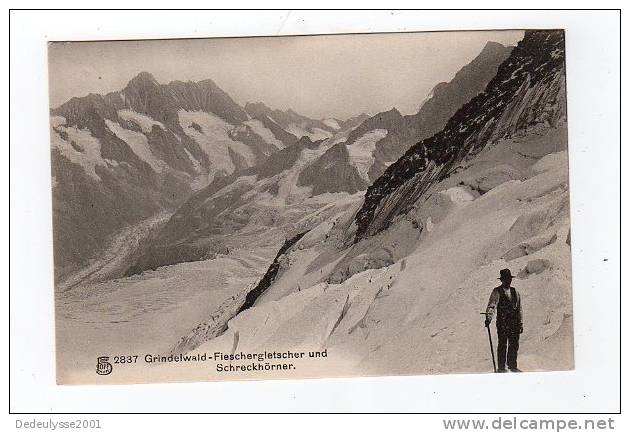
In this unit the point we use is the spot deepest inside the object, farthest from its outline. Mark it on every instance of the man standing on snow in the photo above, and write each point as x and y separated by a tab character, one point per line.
506	301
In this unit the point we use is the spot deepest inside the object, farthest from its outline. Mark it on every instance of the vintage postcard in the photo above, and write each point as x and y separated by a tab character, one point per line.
310	206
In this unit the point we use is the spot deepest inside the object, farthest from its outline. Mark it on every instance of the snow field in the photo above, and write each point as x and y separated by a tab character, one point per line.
264	133
143	121
362	151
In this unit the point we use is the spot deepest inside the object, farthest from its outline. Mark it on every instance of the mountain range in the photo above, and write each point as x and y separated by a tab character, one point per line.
122	157
344	163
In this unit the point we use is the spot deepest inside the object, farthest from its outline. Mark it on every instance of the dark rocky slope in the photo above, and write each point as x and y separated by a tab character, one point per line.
332	172
528	91
285	137
267	280
447	98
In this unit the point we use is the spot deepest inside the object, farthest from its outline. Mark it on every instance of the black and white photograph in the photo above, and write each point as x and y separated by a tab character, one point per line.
367	219
310	206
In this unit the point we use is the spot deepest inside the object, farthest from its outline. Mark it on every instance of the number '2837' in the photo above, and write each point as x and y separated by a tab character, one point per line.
125	359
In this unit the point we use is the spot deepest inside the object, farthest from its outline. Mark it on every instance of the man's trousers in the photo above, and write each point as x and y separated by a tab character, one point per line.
507	347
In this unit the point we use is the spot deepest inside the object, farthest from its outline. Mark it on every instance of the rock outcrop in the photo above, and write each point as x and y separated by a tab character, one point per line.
332	172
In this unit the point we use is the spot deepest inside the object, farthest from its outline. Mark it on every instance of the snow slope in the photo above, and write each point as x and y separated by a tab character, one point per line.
144	122
138	143
264	133
145	313
79	146
417	315
314	133
421	313
214	139
331	123
362	151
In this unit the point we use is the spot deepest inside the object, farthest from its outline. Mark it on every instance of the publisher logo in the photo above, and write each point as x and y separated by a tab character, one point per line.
103	366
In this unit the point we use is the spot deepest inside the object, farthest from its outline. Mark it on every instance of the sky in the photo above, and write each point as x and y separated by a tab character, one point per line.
318	76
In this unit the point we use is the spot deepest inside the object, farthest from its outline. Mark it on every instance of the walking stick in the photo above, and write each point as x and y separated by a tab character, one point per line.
494	364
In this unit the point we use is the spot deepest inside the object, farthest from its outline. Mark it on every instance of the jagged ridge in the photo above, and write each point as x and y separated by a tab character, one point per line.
525	92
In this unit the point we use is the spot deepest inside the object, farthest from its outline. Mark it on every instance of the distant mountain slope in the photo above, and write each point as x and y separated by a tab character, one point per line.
284	194
332	172
292	122
352	122
445	99
527	92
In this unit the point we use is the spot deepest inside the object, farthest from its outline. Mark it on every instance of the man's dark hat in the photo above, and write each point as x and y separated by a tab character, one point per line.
505	273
